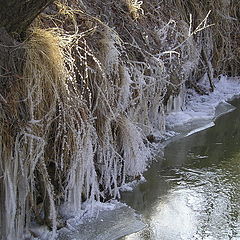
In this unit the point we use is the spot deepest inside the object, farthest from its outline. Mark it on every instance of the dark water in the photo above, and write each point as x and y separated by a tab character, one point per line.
194	193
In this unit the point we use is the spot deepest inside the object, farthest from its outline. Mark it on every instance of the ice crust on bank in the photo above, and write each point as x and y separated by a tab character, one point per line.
102	221
201	110
96	221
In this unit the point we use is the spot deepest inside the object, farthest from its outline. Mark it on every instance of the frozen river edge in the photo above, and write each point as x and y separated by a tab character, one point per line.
114	220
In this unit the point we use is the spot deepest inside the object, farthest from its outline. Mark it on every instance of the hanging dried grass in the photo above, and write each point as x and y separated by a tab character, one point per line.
74	121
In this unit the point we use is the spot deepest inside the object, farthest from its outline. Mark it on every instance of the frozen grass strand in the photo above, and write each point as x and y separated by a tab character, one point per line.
135	152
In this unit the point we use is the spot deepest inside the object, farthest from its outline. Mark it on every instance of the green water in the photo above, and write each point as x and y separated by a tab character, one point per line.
194	192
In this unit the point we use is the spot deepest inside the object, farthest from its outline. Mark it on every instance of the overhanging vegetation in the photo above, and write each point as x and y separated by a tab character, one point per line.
88	86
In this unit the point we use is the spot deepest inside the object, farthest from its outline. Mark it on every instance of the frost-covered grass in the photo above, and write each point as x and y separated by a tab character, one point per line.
196	107
74	124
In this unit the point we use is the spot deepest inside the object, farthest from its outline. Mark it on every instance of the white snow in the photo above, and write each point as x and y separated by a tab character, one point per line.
128	187
202	109
211	124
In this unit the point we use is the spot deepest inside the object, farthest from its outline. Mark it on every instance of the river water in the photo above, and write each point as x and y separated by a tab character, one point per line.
194	192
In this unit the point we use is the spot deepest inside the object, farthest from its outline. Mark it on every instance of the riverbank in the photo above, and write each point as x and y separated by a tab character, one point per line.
85	88
193	192
199	113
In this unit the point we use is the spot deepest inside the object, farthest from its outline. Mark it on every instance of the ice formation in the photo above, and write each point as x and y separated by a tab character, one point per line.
74	127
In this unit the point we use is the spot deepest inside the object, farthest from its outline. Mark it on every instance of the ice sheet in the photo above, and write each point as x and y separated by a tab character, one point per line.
111	224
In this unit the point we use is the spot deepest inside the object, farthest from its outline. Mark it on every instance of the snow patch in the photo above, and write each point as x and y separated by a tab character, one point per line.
128	187
201	110
211	124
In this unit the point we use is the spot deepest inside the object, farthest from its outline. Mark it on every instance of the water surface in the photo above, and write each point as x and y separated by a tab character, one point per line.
194	192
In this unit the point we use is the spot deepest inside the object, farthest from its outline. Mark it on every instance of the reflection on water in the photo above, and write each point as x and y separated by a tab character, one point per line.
194	193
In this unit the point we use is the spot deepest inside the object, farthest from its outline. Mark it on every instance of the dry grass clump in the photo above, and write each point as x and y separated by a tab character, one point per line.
135	9
47	142
65	147
57	105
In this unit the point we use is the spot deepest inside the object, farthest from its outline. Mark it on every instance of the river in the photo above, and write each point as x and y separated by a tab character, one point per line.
194	191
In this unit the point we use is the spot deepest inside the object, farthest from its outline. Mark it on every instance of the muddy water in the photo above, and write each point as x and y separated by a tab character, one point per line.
194	193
